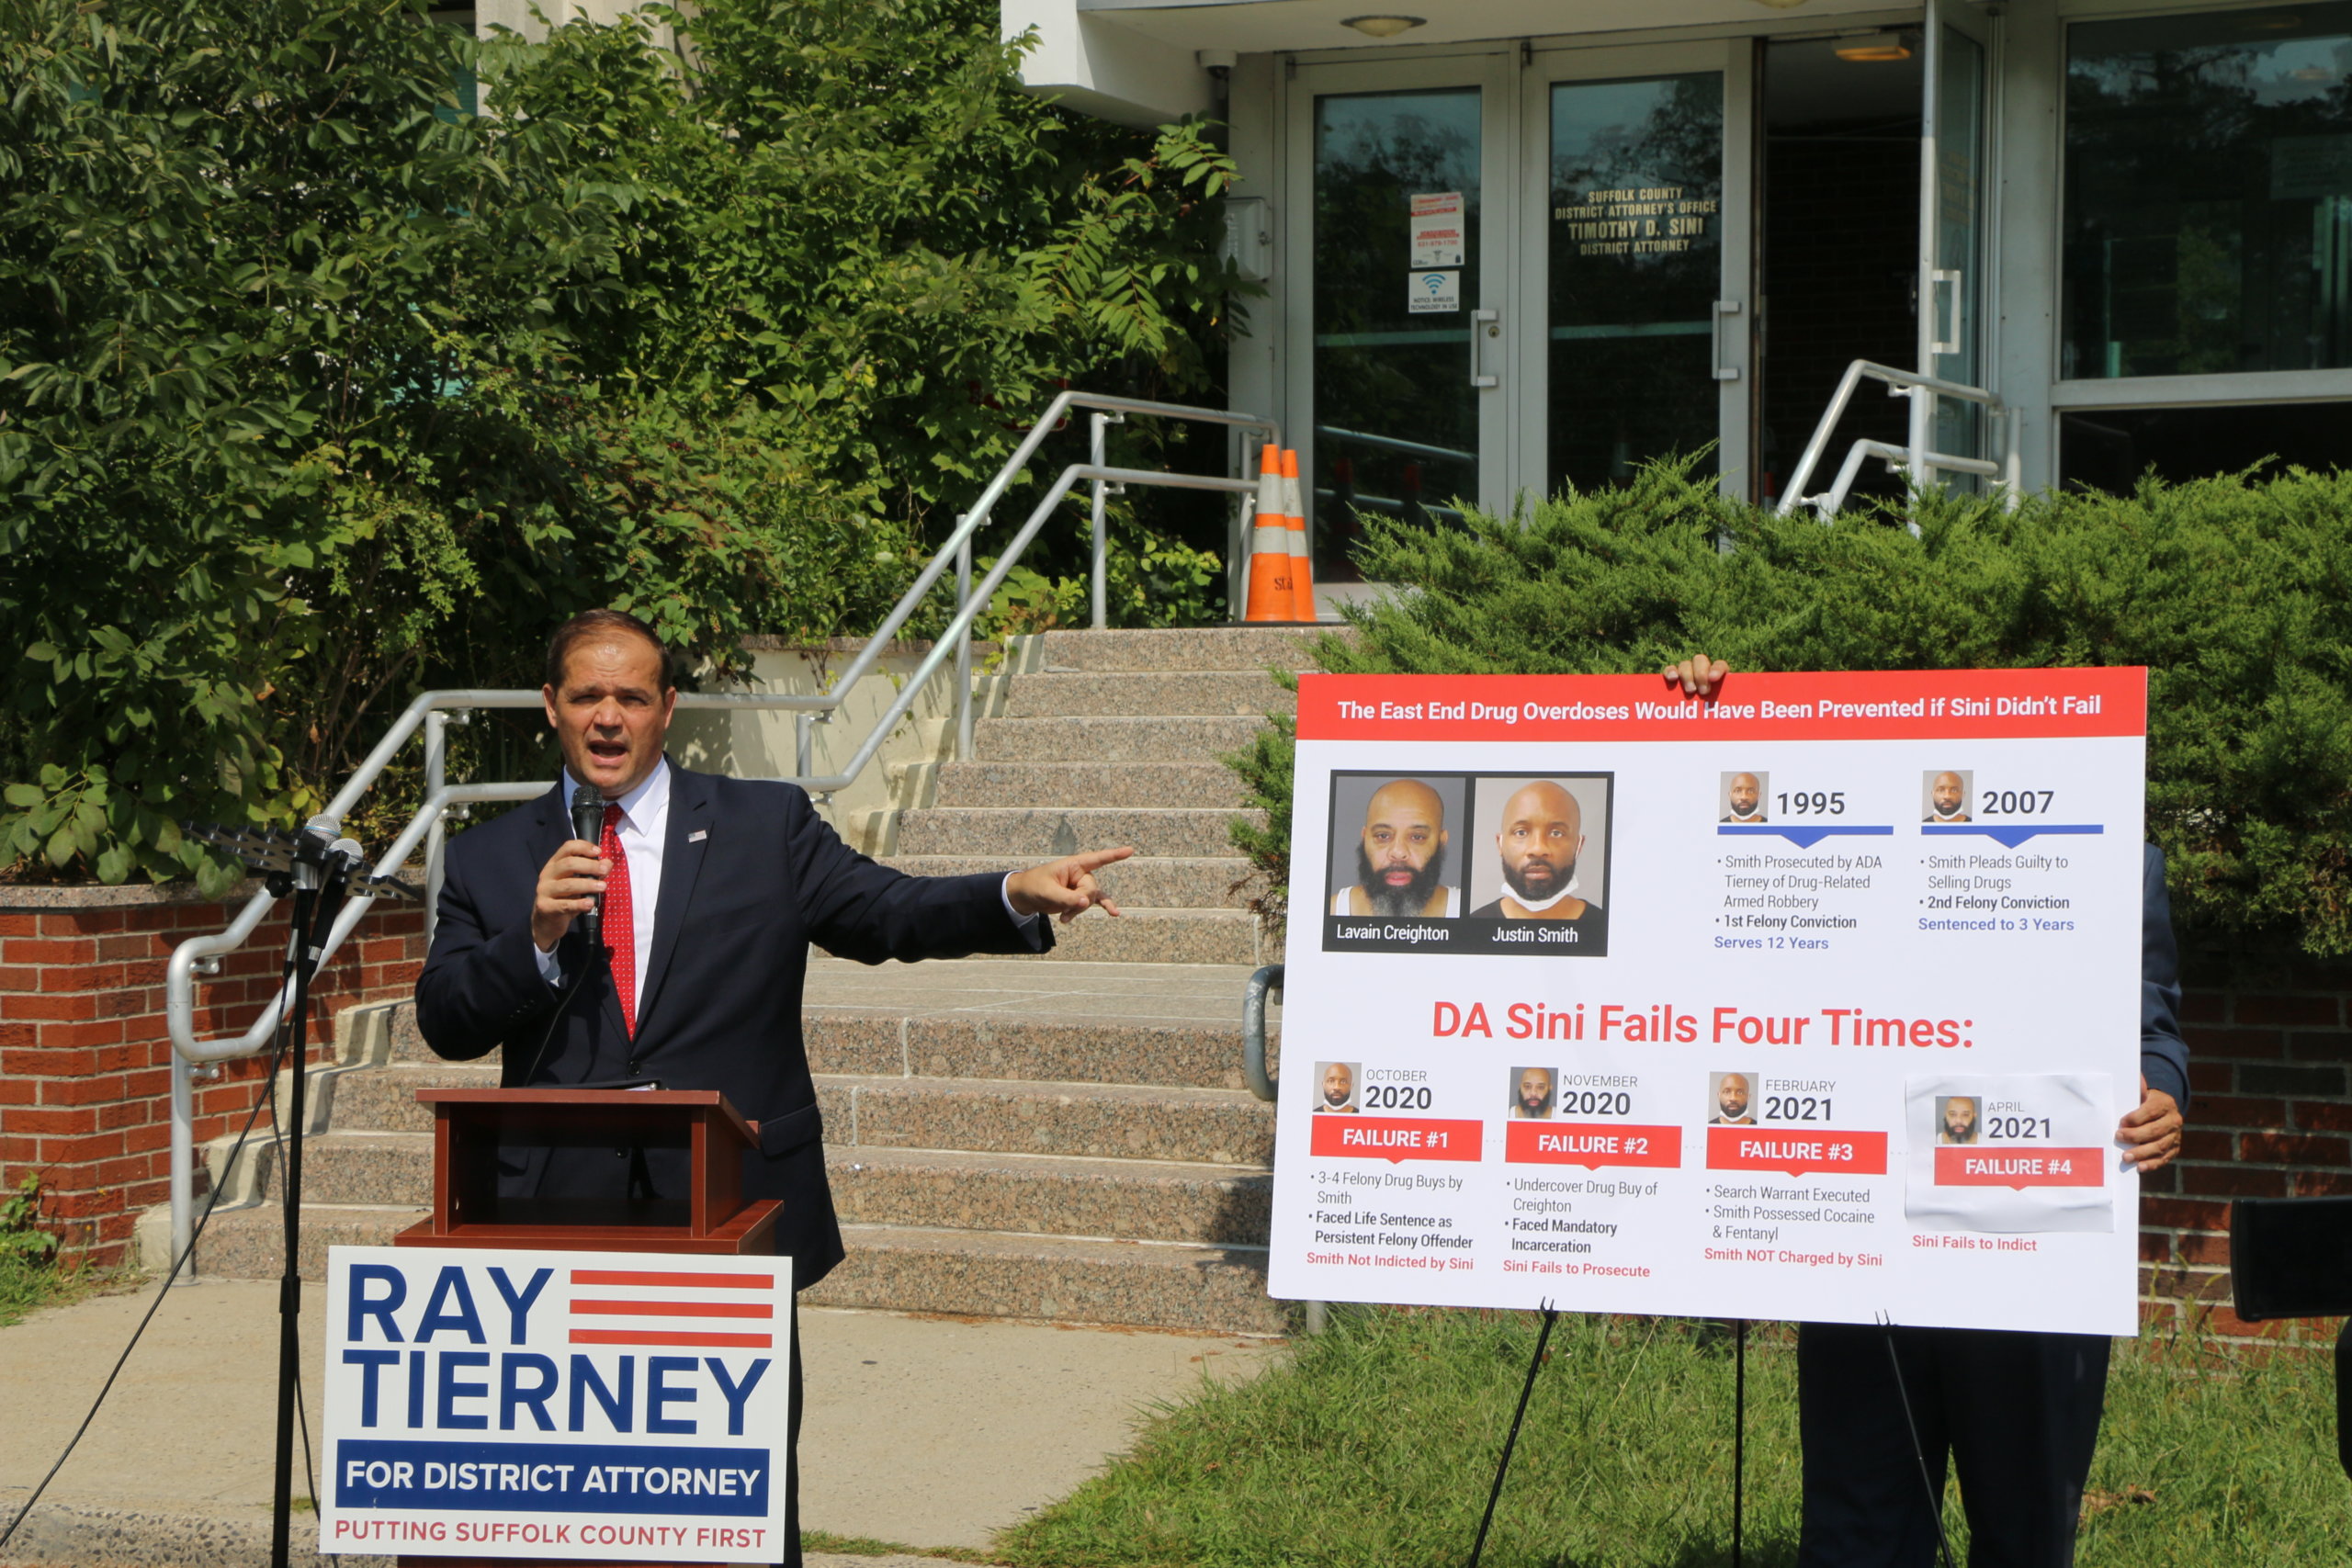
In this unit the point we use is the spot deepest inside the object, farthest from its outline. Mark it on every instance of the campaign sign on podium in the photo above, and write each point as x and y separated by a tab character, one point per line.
580	1405
1820	1000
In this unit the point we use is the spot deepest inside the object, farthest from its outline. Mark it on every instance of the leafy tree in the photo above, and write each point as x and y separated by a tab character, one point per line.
316	390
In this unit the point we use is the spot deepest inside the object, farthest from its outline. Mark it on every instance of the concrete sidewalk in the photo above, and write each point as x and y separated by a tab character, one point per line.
932	1432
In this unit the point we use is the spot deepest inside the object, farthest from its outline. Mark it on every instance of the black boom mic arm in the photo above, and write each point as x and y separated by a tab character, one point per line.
588	823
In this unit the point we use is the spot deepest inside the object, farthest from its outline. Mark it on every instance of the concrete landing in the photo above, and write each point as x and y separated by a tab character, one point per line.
934	1432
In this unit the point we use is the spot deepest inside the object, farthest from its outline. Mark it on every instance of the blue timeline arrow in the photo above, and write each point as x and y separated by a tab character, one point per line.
1802	838
2008	838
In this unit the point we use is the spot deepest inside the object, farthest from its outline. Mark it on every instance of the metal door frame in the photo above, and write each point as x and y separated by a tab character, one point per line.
1735	59
1490	72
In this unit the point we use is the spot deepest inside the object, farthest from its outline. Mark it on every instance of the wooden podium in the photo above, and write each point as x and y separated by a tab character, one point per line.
469	1124
713	1218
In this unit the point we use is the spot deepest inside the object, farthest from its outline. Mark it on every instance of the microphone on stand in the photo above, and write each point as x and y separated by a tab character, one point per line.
588	823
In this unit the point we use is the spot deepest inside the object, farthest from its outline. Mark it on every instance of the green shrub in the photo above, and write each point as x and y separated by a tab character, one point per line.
2236	592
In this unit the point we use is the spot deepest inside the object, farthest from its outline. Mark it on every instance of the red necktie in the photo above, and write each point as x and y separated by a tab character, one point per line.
620	926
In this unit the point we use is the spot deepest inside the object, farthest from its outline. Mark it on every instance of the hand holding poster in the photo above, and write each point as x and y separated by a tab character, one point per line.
1818	1002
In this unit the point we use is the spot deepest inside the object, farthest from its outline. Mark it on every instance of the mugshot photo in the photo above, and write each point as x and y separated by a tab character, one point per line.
1740	797
1394	846
1534	1091
1956	1118
1944	794
1336	1086
1542	849
1731	1097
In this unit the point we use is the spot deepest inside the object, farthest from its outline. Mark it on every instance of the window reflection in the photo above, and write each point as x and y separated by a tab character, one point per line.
1636	258
1396	418
2209	193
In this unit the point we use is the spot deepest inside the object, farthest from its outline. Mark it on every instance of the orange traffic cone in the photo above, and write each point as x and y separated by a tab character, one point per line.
1271	597
1302	560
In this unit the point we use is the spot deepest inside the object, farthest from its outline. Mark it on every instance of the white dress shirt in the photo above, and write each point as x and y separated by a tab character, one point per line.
645	821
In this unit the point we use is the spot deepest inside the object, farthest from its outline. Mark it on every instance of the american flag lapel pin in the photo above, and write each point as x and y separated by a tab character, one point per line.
698	835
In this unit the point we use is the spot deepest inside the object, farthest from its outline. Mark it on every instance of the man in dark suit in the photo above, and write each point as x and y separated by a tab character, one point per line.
2018	1411
713	888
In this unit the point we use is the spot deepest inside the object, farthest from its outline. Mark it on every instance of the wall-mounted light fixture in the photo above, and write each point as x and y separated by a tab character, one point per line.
1384	27
1781	4
1875	45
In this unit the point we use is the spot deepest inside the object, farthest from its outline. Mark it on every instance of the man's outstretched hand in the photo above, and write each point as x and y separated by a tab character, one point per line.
1697	675
1065	887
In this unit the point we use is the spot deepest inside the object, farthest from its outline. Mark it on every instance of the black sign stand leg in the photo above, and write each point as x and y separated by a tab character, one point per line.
1739	1438
1918	1448
1535	1365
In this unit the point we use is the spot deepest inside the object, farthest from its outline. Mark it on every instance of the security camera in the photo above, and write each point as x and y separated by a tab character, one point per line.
1218	62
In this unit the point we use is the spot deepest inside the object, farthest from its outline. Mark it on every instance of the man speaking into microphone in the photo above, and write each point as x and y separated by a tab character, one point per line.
711	891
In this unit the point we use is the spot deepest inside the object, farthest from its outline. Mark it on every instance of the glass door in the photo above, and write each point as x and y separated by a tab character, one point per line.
1397	345
1952	248
1637	264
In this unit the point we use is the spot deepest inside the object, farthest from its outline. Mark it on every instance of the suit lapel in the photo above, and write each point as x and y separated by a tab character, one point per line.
683	845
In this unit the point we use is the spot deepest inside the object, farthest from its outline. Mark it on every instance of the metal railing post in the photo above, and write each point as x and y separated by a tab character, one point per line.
436	836
183	1162
1098	454
1253	1029
803	744
964	649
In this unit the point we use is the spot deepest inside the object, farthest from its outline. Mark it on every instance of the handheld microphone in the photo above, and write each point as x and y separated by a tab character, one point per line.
588	823
310	849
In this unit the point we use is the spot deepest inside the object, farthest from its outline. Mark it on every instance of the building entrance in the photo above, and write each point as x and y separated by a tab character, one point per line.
1541	268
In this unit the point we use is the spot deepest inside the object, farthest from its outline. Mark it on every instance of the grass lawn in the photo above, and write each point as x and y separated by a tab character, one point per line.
1375	1445
27	1285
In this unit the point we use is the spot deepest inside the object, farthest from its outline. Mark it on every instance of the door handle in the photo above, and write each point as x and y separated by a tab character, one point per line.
1723	308
1937	343
1482	326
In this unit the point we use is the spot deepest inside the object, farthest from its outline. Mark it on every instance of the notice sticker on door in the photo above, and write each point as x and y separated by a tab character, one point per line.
1431	292
1437	234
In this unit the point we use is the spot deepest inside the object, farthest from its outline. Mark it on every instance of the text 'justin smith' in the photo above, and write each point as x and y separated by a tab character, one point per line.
1663	1021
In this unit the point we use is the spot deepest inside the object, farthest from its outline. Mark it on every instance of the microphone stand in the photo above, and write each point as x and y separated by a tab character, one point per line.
320	887
317	868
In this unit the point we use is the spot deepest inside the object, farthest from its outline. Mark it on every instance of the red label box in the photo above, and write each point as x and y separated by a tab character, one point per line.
2021	1166
1395	1138
1591	1144
1796	1151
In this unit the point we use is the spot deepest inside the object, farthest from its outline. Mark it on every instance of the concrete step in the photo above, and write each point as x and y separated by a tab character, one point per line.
1146	935
1095	1120
384	1099
1198	647
1199	785
1131	739
1188	882
1019	1047
1044	832
250	1243
1053	695
1133	1200
1216	1290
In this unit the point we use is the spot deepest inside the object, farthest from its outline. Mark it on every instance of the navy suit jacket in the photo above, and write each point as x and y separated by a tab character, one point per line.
2164	1055
751	875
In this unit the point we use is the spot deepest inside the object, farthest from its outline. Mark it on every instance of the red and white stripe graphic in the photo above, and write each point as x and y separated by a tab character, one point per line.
647	1306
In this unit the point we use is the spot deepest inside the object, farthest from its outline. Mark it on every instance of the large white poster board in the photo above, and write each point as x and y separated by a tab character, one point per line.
1819	1002
622	1406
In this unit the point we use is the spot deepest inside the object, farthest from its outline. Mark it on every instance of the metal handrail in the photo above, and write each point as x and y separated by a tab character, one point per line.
1917	461
1253	1029
432	711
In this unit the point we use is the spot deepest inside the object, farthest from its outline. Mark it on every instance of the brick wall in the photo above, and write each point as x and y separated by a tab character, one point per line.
2270	1117
85	1057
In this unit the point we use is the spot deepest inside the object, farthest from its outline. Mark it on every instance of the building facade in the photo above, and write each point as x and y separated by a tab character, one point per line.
1514	245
